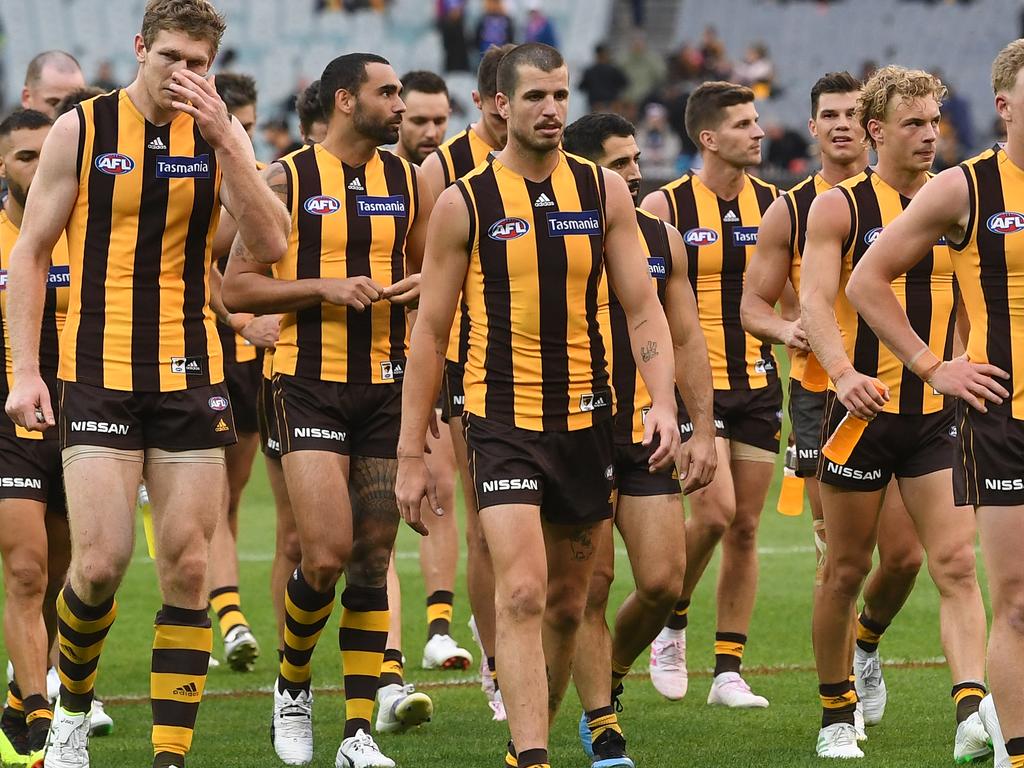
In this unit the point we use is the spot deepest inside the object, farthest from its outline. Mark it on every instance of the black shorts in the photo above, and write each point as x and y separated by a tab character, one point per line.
751	416
184	420
453	396
632	477
988	467
569	475
31	468
270	441
806	413
892	445
243	380
350	419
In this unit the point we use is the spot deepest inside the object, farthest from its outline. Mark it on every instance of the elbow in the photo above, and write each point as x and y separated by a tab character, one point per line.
856	291
233	299
748	315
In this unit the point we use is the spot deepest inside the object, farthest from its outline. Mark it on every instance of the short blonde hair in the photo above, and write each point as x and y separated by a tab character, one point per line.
890	82
1006	66
196	18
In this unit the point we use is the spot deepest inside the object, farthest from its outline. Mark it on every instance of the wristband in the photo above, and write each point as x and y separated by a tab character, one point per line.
912	362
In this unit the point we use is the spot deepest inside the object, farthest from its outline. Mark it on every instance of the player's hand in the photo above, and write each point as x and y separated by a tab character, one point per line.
795	337
405	292
697	461
863	396
355	292
413	484
28	403
662	427
197	96
974	383
432	424
262	331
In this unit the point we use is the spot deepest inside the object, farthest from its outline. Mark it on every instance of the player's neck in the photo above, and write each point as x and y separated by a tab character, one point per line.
834	172
349	146
903	180
14	211
149	109
483	134
722	178
530	164
1014	149
403	153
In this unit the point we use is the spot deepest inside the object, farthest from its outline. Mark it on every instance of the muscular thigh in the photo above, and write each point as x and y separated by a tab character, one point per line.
653	530
318	489
187	491
102	491
719	496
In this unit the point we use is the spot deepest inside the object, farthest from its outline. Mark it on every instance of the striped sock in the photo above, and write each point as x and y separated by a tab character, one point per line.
15	704
362	638
182	641
492	669
729	648
305	614
619	672
967	697
392	671
1015	749
533	758
838	703
227	603
439	613
601	720
81	630
511	761
869	633
38	717
680	615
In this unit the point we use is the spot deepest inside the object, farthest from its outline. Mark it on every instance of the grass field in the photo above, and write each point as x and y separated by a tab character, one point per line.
233	727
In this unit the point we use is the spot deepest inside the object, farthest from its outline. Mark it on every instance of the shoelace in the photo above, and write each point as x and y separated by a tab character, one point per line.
671	656
739	683
363	742
294	710
843	737
871	675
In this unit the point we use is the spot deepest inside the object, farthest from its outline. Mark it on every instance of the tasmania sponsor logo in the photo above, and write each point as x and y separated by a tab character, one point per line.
218	403
1006	223
174	167
508	228
699	236
854	474
564	223
21	482
591	401
871	235
103	427
656	266
114	164
58	277
510	484
321	205
367	205
392	370
320	433
744	236
1004	484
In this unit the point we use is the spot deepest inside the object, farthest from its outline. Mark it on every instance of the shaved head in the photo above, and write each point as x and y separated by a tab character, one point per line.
50	77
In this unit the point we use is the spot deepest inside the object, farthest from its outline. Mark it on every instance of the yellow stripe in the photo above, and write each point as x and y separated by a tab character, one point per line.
750	216
173	637
965	692
334	234
293	673
300	643
729	648
383	232
361	663
84	627
306	617
709	284
162	685
839	702
172	738
441	611
77	686
371	621
359	709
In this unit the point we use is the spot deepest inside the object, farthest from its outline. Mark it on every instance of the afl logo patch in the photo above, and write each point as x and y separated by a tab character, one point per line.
508	228
218	403
700	236
871	235
321	205
1006	222
114	164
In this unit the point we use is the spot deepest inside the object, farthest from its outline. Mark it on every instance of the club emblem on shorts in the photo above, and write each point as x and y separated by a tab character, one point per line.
591	401
221	426
190	366
114	164
1006	223
392	370
218	403
508	228
953	431
321	205
871	235
609	472
699	236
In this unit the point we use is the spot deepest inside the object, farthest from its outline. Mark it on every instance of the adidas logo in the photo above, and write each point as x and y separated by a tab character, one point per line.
221	426
730	217
193	366
543	201
356	186
156	143
188	690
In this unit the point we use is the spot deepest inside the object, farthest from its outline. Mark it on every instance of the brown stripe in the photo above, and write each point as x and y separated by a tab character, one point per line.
397	184
868	216
308	321
180	661
993	276
358	325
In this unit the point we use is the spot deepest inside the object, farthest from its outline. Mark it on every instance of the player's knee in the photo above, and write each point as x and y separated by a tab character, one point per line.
368	568
521	601
288	546
323	568
716	518
847	576
904	563
25	578
954	570
101	571
600	587
659	589
742	533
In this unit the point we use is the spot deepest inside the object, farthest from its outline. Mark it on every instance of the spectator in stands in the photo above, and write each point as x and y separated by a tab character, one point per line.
79	95
659	145
603	82
756	70
645	71
50	77
539	28
495	27
104	79
278	136
949	149
787	149
685	66
715	63
956	111
451	23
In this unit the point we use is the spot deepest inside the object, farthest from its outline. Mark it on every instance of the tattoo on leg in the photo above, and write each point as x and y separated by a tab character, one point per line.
582	543
650	351
374	519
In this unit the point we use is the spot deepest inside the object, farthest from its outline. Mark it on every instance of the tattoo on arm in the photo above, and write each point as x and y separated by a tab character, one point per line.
275	177
649	352
640	325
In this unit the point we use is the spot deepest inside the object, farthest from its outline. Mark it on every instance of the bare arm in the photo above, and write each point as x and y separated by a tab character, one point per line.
649	335
432	171
828	226
657	203
765	282
407	291
51	198
940	208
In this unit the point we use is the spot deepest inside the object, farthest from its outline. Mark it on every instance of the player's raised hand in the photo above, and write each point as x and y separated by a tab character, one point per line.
355	292
197	96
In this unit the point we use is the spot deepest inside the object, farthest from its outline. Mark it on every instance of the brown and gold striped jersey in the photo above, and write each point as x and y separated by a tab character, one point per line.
989	267
720	236
460	155
537	358
139	244
346	222
804	366
632	399
927	293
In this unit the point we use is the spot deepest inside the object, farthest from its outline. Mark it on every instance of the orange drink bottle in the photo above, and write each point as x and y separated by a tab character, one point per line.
791	496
